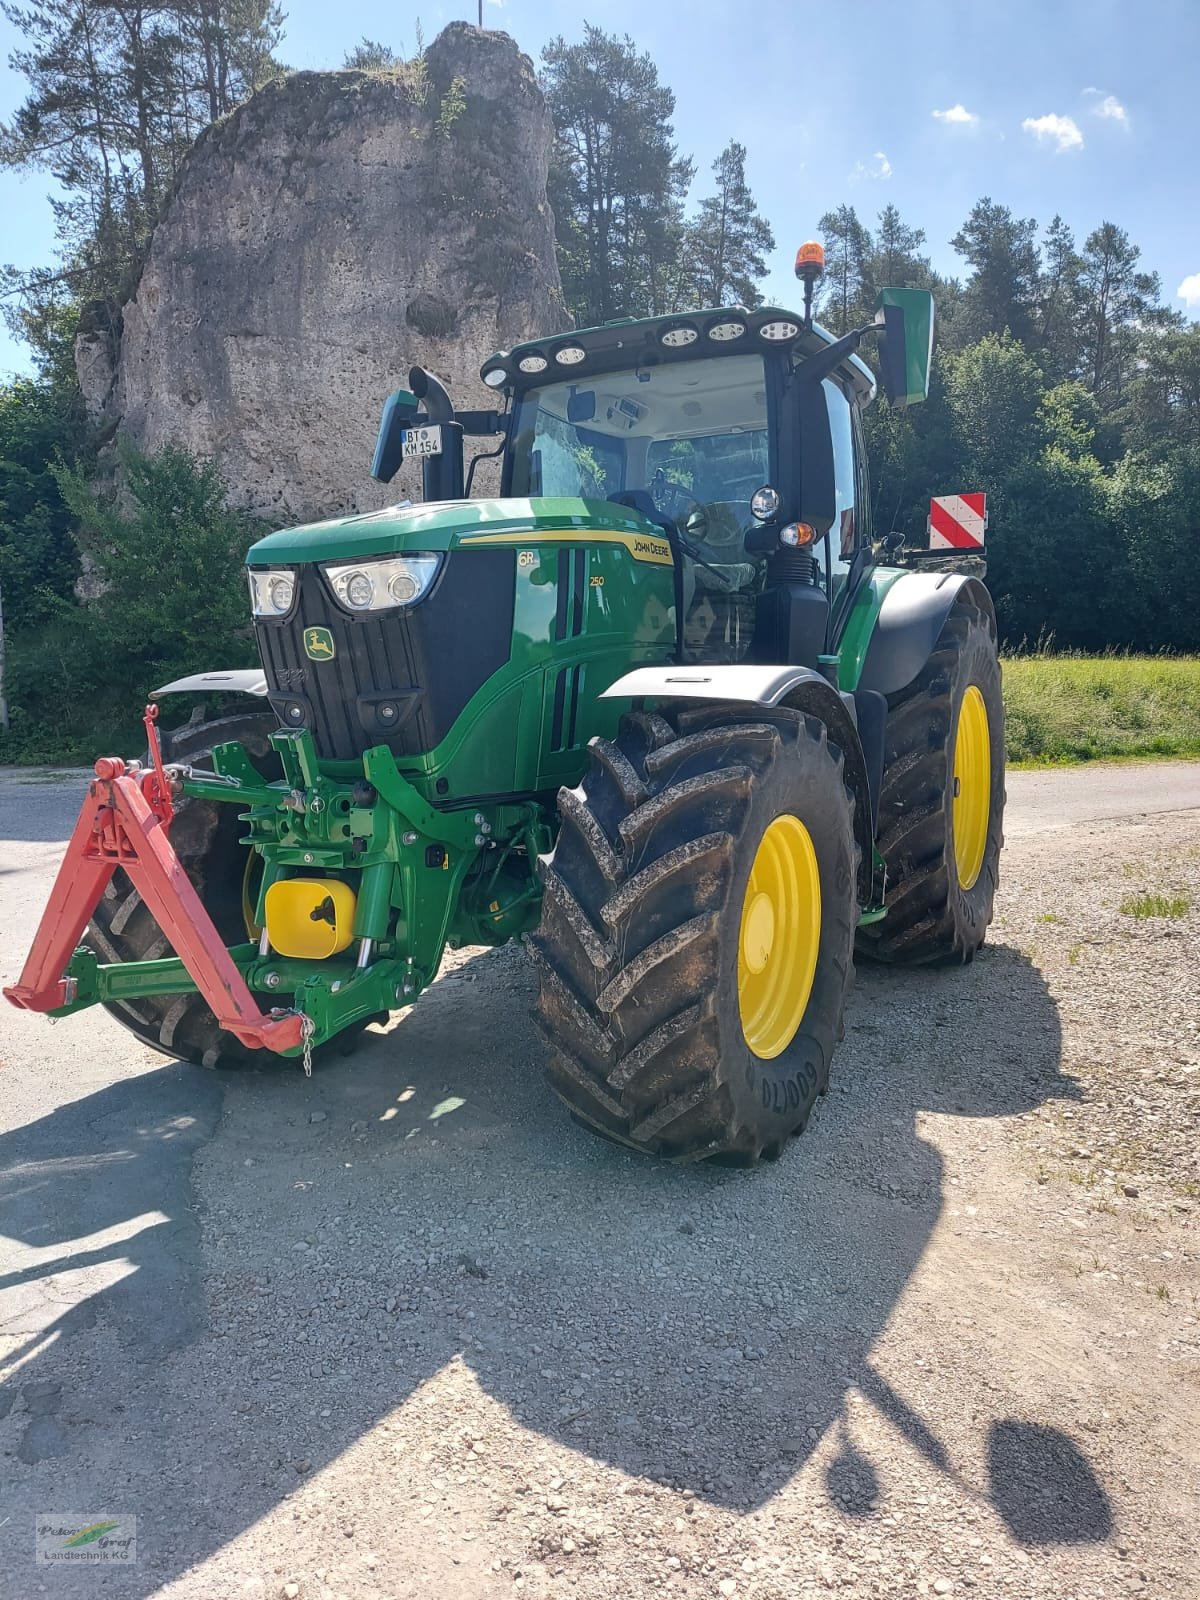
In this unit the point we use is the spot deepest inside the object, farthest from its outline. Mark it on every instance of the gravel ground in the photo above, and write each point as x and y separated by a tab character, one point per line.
406	1330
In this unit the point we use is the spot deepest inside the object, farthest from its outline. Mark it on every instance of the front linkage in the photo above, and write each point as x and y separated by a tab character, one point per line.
395	879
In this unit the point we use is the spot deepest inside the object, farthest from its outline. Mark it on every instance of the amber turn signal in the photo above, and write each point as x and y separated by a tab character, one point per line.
797	535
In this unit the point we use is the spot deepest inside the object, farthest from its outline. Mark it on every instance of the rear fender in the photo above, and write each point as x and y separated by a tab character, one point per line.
797	688
910	621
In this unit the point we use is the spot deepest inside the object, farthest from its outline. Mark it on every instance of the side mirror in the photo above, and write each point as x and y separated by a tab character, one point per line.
906	347
399	409
818	495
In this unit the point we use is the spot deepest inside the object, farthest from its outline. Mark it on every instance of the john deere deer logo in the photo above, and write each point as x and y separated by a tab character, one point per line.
319	645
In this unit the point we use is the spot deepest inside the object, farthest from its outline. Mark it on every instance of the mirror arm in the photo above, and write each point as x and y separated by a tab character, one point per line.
820	365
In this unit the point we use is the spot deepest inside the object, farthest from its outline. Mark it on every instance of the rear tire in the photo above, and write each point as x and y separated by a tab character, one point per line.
647	954
937	911
205	835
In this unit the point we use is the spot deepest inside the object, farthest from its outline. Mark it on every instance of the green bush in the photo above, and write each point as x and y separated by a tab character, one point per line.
169	554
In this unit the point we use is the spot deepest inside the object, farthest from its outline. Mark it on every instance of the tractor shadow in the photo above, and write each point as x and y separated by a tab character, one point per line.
269	1268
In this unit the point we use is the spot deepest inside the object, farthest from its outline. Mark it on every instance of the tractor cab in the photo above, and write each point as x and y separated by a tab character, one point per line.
734	434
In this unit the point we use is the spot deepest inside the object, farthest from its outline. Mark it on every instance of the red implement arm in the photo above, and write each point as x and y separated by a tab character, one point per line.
124	824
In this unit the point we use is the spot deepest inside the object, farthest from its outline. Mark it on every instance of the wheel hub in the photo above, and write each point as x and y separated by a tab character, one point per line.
758	932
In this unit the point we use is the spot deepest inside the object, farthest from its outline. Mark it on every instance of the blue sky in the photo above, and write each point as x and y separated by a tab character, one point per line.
1085	107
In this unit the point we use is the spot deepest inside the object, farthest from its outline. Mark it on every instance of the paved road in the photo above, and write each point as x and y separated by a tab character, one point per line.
1039	801
405	1330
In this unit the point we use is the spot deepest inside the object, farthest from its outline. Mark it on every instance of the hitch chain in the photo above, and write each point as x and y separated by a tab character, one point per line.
307	1028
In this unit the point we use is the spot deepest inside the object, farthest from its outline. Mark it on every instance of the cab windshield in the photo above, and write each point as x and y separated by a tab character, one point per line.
686	443
692	435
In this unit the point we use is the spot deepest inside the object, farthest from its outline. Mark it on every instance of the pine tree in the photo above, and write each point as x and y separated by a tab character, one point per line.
617	182
847	247
1002	251
729	240
1059	303
895	260
118	90
1116	300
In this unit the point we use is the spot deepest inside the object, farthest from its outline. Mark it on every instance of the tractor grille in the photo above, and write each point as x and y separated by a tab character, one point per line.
399	678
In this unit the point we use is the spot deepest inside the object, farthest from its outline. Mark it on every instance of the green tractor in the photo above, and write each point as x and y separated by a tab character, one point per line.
663	708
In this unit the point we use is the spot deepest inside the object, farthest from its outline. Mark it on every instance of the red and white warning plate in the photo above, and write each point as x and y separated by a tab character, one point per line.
957	521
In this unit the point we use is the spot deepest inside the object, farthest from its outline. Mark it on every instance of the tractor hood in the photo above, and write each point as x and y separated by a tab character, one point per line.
446	525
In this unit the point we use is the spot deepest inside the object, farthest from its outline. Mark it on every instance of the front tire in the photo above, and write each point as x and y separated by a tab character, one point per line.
941	808
696	942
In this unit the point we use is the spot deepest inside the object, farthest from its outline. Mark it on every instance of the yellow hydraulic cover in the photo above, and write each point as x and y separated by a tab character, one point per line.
309	918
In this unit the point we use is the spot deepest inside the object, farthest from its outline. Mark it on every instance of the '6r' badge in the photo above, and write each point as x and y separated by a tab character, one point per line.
319	645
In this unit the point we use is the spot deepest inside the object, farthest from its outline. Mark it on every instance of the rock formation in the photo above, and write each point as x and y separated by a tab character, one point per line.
334	230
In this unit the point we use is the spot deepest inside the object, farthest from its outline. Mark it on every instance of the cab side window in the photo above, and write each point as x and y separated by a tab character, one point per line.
849	516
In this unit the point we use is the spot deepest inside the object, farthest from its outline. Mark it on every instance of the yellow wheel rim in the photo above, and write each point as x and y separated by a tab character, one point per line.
972	786
780	937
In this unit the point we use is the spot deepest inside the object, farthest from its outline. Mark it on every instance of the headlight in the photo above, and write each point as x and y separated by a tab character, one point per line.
765	503
378	585
271	592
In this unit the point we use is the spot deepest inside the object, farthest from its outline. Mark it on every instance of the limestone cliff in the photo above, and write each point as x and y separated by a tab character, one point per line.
334	230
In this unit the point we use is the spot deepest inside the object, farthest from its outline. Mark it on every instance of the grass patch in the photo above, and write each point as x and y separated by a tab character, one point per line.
1065	709
1155	905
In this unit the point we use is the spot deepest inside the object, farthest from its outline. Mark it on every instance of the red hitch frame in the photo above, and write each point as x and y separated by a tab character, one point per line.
124	823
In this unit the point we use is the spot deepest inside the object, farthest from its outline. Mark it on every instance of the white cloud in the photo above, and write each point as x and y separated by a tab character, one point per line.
958	116
878	167
1062	132
1112	108
1189	290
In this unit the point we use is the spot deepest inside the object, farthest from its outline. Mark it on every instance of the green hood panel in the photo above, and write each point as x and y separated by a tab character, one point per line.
440	526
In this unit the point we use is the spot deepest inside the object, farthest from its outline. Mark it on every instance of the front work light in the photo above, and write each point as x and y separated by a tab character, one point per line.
678	337
271	592
570	355
780	330
533	363
381	585
764	503
723	332
495	377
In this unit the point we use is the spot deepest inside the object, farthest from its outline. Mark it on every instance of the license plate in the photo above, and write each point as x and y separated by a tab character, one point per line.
422	442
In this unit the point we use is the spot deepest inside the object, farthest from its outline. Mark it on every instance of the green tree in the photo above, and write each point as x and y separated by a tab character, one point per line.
170	564
729	239
1059	303
995	390
1162	409
617	181
168	559
1116	300
1002	252
847	248
1153	600
896	259
117	91
39	425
